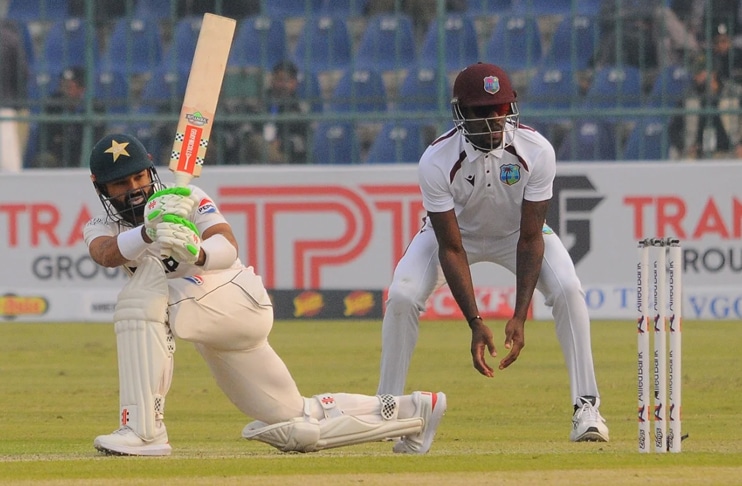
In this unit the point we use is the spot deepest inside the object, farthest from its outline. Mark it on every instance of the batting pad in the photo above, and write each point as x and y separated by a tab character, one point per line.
145	348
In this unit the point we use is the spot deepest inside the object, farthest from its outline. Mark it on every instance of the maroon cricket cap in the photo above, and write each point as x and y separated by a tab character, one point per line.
482	84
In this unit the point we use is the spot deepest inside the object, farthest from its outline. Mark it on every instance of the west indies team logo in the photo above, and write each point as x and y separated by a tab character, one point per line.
491	84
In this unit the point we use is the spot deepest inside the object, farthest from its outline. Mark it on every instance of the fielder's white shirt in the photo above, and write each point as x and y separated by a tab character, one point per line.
205	215
486	190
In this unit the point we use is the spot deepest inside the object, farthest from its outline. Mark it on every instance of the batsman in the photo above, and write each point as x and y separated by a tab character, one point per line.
187	282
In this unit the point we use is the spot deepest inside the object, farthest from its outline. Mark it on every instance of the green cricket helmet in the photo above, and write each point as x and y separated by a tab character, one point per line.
115	157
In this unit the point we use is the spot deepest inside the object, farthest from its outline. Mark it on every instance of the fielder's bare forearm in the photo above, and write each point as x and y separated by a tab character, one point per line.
455	266
530	255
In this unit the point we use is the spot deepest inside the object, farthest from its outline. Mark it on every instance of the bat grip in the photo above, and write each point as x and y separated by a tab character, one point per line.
182	179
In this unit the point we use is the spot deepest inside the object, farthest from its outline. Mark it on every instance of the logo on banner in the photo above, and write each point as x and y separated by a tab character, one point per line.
569	214
12	306
358	303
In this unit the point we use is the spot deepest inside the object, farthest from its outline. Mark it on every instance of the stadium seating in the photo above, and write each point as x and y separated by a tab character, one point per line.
555	7
134	47
343	8
324	44
310	91
573	43
158	10
165	89
112	90
590	140
387	43
648	140
41	85
183	45
419	91
670	87
398	141
359	90
334	143
460	44
615	87
478	8
515	42
260	41
65	45
291	8
36	10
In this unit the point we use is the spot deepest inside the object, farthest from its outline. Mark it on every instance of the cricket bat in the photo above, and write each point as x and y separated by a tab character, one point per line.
201	97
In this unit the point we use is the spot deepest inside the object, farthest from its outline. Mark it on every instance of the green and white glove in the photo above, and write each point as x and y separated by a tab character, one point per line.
179	238
175	201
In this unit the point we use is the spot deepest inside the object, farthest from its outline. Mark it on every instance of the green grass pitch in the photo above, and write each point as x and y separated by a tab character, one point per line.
59	389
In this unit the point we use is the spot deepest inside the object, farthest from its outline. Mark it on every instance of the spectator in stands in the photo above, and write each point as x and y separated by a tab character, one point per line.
13	81
279	142
642	33
711	138
60	143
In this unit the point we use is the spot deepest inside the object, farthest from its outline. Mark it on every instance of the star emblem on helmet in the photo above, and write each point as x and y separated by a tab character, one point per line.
117	149
491	84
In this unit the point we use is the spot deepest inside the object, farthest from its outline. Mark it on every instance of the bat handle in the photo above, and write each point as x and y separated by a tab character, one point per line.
182	179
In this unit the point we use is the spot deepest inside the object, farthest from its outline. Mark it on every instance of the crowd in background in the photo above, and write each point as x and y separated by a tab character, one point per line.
603	79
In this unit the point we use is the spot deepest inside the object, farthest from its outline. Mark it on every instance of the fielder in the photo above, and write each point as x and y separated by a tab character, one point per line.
187	282
486	186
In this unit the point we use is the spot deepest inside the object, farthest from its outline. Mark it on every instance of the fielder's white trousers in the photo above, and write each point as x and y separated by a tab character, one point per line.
418	274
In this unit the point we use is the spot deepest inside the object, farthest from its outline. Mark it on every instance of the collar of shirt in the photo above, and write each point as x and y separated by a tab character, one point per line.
473	154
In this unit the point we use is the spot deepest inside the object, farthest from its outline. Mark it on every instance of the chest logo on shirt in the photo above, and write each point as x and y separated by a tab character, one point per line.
206	206
470	179
195	279
510	174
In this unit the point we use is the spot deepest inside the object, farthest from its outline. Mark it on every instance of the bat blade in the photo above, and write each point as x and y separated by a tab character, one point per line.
201	97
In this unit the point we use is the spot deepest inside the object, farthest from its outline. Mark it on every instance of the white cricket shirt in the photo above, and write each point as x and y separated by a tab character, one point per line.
486	190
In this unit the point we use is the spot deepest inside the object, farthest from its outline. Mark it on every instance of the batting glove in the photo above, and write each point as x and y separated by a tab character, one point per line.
179	238
175	201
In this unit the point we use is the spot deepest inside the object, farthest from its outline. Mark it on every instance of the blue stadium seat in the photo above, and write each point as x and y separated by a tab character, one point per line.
542	7
41	85
260	41
134	47
158	10
398	141
359	90
460	44
591	140
165	88
291	8
648	140
183	45
478	8
670	87
310	91
573	43
515	42
420	90
334	143
615	87
112	89
343	8
65	45
36	10
387	43
324	44
551	88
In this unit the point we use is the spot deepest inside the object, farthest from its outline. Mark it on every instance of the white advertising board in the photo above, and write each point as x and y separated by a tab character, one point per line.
344	227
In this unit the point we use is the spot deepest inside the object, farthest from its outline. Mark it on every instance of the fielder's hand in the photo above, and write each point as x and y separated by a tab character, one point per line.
179	238
175	201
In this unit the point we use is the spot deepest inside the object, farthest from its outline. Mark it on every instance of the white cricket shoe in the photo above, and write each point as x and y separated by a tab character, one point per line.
431	407
587	423
124	442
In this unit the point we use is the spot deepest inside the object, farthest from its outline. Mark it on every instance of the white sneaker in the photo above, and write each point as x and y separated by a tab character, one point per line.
431	407
124	442
587	423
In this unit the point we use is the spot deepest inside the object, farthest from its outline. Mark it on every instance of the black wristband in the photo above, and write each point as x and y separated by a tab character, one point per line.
474	319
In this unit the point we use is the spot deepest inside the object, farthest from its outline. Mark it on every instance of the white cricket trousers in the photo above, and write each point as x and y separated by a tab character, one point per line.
419	273
228	316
